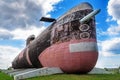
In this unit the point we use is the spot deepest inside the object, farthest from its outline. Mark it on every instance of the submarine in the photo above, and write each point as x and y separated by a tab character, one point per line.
68	43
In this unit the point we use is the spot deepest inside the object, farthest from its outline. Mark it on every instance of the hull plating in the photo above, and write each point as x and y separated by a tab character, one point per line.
59	55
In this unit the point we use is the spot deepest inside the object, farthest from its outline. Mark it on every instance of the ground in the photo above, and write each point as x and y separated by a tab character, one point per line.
69	77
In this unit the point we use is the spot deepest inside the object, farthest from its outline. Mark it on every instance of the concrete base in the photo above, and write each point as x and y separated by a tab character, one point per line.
20	71
37	72
20	74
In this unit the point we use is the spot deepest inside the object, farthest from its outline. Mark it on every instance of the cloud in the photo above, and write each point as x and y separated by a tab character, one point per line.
5	34
48	5
114	10
114	30
7	54
24	13
108	62
19	33
23	16
110	47
19	13
23	34
109	39
109	53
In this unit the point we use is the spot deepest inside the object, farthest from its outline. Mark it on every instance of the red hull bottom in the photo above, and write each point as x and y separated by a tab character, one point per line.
59	55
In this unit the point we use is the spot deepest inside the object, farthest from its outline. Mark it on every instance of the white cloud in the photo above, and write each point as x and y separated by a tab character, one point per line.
5	34
109	53
110	47
23	34
114	10
17	15
109	19
24	13
7	54
113	30
108	62
48	5
109	43
20	33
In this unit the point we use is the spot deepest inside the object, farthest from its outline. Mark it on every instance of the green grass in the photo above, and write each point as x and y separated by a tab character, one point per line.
69	77
4	76
79	77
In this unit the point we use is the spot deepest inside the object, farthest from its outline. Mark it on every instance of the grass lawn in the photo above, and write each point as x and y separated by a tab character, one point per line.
69	77
79	77
4	76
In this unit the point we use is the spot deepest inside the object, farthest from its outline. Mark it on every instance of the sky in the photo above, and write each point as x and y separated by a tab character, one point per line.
20	18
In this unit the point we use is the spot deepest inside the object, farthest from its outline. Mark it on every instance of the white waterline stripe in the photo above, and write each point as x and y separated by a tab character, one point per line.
83	46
